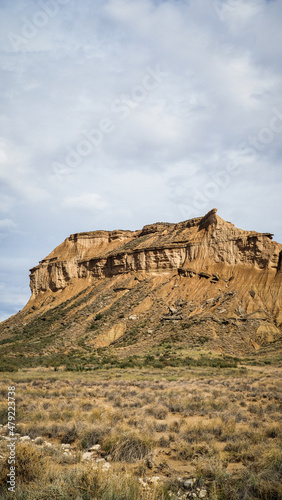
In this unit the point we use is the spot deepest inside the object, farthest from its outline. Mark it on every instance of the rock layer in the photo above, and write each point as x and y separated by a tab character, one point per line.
201	243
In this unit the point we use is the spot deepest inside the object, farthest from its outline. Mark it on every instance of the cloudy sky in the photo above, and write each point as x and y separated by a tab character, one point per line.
120	113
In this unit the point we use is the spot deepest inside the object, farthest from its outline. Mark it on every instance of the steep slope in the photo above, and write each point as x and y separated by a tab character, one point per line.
198	281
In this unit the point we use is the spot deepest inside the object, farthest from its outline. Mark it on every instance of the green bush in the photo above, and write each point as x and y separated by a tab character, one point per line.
98	316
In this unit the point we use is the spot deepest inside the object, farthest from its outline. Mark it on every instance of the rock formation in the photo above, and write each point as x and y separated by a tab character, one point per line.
206	243
203	269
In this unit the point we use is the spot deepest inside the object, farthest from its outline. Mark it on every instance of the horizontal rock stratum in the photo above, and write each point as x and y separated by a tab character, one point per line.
207	244
203	276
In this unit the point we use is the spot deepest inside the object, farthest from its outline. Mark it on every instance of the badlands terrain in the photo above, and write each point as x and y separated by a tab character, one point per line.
201	282
147	365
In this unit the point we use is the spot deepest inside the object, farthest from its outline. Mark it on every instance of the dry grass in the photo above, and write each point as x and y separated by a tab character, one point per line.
224	429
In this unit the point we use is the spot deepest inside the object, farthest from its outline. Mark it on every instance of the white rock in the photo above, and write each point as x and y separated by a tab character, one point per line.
133	317
155	479
105	467
86	456
142	482
203	494
24	439
39	440
189	483
96	447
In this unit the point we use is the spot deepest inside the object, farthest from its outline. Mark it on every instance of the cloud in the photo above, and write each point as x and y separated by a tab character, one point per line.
12	299
7	224
6	203
214	107
86	201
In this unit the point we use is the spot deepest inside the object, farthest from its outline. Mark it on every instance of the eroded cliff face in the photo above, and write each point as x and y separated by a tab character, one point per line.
201	278
203	244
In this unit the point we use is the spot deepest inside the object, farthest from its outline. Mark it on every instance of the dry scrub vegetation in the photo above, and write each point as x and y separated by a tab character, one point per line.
220	428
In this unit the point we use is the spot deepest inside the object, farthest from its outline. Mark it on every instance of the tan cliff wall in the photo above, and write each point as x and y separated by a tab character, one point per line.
203	244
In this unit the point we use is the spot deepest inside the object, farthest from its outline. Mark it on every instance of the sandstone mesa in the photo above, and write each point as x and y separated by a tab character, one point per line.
204	270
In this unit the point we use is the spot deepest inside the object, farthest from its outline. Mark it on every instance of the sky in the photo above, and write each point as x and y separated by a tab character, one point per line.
119	113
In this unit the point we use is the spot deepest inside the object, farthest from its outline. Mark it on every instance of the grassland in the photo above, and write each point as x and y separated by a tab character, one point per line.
210	430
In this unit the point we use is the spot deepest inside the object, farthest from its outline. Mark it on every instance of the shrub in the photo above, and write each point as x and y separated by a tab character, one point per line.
158	411
272	431
93	436
69	435
30	463
98	316
128	447
8	365
3	415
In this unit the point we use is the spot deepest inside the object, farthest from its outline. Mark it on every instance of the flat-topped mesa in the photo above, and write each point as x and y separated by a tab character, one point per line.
203	243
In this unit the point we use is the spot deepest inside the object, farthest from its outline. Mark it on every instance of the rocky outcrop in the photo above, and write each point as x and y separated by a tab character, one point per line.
201	245
200	281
